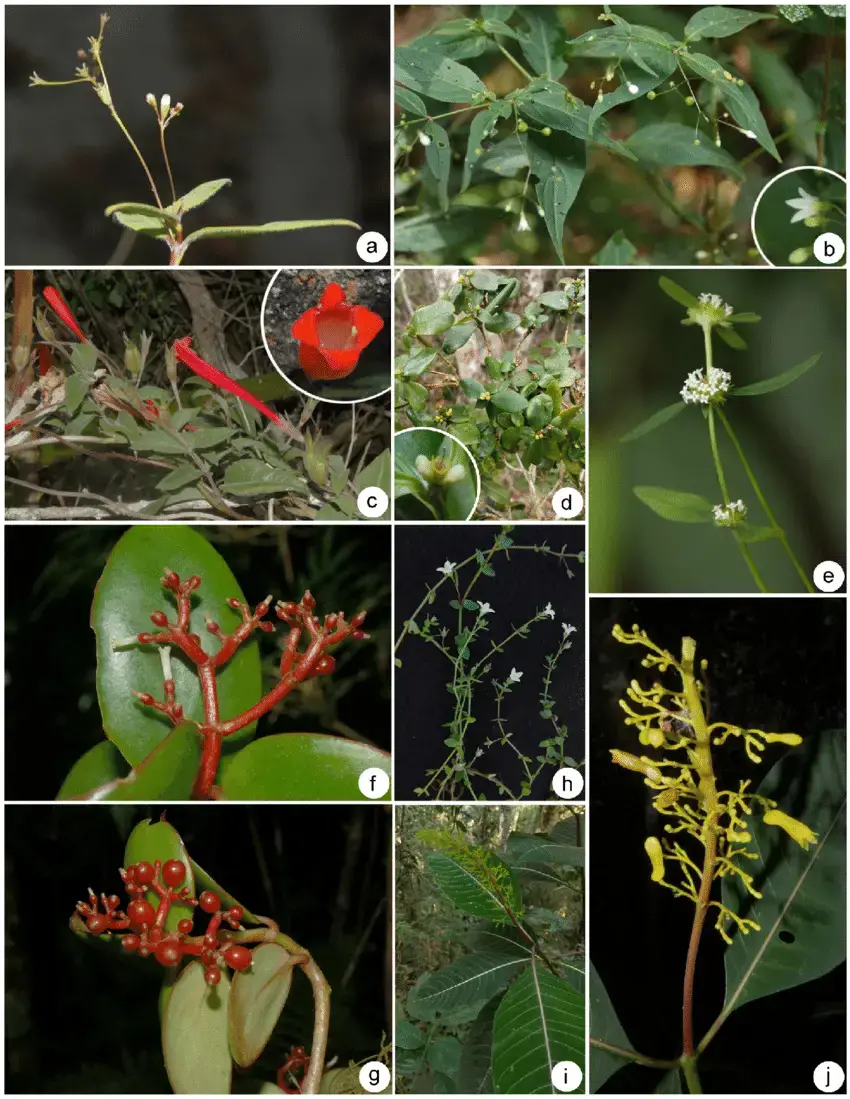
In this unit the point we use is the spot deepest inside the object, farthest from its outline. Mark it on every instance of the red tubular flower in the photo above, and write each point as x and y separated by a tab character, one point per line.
187	356
332	335
60	307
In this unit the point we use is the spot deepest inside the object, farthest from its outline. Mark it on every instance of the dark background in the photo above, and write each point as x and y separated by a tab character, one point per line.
51	709
82	1017
291	103
520	586
773	664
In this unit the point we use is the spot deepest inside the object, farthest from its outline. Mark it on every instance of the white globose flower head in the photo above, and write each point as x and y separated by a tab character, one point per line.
709	387
730	514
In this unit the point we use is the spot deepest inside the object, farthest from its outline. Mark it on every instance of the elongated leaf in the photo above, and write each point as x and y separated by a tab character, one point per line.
662	416
474	1075
204	880
785	94
508	400
457	336
438	157
732	338
128	591
604	1027
618	251
410	102
802	909
670	1083
436	76
529	850
257	997
559	162
143	223
746	532
99	765
539	1022
167	774
215	231
194	1035
253	477
475	880
158	840
434	231
740	99
457	992
668	143
778	381
198	195
432	319
678	507
543	41
677	293
163	218
300	767
483	124
721	22
637	80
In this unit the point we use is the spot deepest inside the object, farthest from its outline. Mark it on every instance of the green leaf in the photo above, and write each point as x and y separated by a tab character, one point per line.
142	223
778	381
128	592
559	162
257	997
407	1036
457	336
376	473
732	338
76	388
438	157
785	94
483	124
474	1075
472	388
252	477
654	421
802	908
475	880
745	318
217	231
418	362
155	441
539	411
84	359
432	319
721	22
194	1035
444	1058
555	299
679	507
410	102
205	880
740	99
457	992
539	1022
508	400
746	532
300	767
543	42
152	215
605	1027
412	393
152	841
618	251
669	143
101	764
198	196
531	850
677	293
670	1083
184	474
438	77
637	80
434	231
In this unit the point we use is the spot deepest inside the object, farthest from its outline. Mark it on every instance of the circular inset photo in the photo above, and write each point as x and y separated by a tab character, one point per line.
328	333
800	218
435	476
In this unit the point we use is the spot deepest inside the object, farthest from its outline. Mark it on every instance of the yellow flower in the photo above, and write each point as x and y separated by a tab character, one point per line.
633	763
782	738
656	857
799	832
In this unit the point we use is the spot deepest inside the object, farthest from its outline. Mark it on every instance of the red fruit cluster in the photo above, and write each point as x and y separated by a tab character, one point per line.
145	925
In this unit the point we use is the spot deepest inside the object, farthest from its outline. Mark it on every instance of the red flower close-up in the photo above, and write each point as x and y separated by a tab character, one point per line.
332	335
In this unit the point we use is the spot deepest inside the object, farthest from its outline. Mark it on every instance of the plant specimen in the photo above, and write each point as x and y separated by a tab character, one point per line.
205	449
464	639
512	128
164	221
752	871
709	388
224	989
173	718
435	476
520	979
523	418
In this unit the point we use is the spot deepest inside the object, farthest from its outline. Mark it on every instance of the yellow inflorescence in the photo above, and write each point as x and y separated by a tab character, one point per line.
674	721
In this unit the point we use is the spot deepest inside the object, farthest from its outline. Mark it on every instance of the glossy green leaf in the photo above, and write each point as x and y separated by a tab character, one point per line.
128	591
475	1075
778	381
257	997
605	1027
432	319
740	99
252	477
802	909
678	507
300	767
438	157
99	765
539	1022
618	251
508	400
436	76
163	219
151	841
677	293
205	880
194	1035
669	143
217	231
559	163
721	22
198	195
457	992
167	774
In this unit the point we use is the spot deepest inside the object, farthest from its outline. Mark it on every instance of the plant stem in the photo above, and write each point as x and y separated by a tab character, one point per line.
632	1055
514	62
689	1067
824	102
780	533
167	162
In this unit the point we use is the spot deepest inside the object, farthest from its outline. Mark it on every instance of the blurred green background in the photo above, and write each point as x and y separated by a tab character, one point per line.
794	438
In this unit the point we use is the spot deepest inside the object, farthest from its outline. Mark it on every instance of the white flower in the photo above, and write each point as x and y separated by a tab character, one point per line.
568	629
424	139
522	224
515	676
731	514
749	134
807	206
165	104
448	568
716	302
150	99
485	608
633	88
699	389
549	609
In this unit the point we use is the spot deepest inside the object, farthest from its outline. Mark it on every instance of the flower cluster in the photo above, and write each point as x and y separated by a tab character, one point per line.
711	311
706	387
146	934
674	721
729	515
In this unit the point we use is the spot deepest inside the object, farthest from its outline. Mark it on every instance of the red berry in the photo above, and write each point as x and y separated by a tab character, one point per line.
144	873
144	951
114	900
168	952
97	923
209	901
238	957
159	618
236	913
184	927
212	976
130	942
140	912
208	957
173	872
